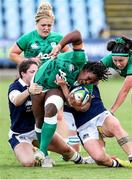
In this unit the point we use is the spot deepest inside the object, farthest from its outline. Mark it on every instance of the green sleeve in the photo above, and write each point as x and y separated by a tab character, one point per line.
23	41
107	61
79	56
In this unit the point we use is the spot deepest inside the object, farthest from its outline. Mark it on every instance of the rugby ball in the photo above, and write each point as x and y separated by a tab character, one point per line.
81	94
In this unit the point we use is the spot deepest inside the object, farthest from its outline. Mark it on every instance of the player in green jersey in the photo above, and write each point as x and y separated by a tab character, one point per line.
120	59
38	43
74	69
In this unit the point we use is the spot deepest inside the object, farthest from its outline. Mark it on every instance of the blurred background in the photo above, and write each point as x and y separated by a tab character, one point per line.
98	21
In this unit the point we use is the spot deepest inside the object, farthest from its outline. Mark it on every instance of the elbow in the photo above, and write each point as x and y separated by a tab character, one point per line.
17	103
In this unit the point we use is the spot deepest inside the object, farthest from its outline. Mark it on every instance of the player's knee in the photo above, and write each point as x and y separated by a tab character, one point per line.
50	110
52	105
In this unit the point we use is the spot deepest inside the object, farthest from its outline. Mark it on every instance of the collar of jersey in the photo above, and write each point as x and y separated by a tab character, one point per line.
22	82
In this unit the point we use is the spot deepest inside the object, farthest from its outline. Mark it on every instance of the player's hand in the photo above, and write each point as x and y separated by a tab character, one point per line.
35	89
55	51
77	105
60	81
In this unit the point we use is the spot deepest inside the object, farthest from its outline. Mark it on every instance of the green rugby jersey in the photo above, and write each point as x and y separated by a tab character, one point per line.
107	61
67	65
32	44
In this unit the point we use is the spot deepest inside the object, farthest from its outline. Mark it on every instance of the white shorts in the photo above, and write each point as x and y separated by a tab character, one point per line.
70	121
90	130
16	138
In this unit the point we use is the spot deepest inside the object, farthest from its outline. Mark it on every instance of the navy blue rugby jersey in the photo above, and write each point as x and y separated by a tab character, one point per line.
95	109
22	119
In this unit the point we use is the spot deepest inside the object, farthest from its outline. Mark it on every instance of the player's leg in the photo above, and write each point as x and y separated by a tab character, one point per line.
97	152
38	111
25	154
23	148
112	127
90	137
53	103
58	145
72	139
62	127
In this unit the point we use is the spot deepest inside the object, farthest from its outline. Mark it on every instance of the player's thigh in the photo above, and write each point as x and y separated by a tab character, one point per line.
24	152
38	108
111	125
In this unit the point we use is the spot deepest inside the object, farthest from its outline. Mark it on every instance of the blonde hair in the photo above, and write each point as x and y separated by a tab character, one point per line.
44	11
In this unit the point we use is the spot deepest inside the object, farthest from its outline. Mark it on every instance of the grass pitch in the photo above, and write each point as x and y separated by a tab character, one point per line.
11	169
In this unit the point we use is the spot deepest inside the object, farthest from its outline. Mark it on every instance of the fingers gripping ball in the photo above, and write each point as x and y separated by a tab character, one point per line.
81	94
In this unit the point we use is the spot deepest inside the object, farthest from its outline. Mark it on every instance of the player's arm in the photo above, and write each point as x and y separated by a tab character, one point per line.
74	38
127	85
18	98
15	54
66	48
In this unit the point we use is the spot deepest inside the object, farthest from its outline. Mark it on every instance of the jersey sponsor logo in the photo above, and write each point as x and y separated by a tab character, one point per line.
28	106
43	56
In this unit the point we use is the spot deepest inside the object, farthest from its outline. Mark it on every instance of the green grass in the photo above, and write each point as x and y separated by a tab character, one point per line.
11	169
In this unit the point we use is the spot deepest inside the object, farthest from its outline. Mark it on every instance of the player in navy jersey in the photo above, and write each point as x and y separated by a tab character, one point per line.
96	123
22	135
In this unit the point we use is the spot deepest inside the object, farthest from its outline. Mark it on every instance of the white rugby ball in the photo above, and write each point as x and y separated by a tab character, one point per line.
81	94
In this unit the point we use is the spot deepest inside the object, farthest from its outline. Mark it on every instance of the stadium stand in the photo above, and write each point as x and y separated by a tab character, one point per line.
17	18
119	16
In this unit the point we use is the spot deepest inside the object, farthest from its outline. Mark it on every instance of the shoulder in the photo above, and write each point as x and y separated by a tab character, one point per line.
107	60
27	35
15	86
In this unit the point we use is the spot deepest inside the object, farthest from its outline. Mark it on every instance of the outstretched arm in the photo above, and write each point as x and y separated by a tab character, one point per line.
122	93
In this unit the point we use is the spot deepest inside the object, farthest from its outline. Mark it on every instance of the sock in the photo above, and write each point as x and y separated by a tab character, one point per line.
115	163
38	134
47	134
77	158
130	158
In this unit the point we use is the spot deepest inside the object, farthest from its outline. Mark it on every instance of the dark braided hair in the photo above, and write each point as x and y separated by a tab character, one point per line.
97	68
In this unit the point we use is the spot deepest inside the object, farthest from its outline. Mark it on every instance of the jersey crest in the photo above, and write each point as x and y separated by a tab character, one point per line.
53	44
34	46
